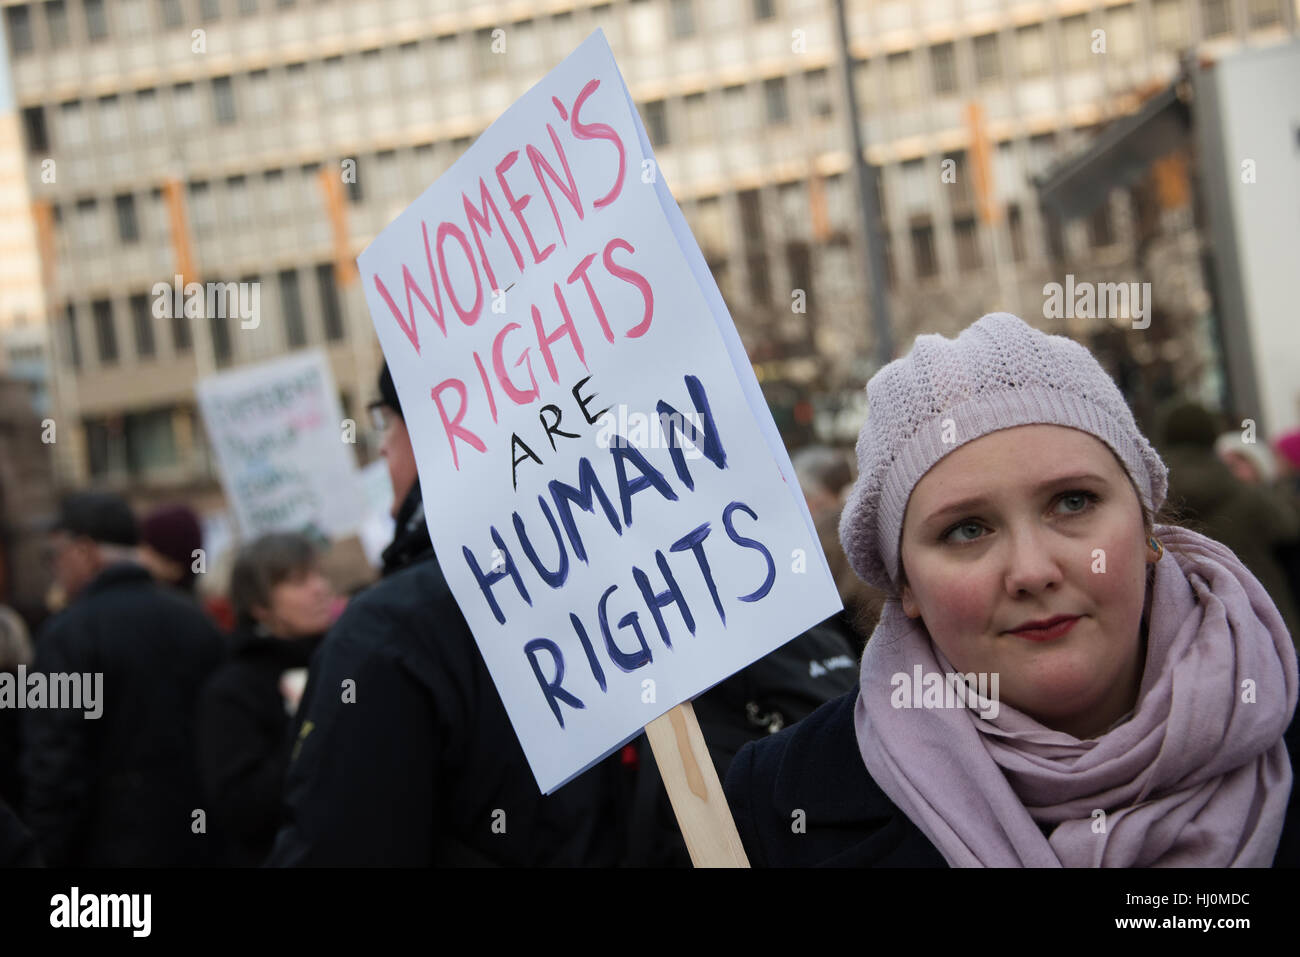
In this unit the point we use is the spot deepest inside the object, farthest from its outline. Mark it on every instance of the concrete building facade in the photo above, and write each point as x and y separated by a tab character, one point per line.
243	104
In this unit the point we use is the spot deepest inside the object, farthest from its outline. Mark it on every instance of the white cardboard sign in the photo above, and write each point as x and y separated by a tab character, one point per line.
609	565
278	433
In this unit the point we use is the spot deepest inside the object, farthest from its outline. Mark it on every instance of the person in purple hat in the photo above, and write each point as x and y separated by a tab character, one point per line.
1058	679
170	539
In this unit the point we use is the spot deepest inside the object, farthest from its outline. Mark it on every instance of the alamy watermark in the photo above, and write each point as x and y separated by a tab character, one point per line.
620	428
977	691
1106	300
77	691
212	300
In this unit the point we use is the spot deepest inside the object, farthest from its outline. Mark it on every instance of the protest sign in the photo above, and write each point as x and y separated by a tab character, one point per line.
605	489
278	433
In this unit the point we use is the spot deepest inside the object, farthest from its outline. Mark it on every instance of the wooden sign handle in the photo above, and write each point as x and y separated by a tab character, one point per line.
694	789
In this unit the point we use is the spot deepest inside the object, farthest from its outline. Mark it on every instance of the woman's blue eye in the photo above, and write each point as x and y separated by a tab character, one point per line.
1086	499
948	534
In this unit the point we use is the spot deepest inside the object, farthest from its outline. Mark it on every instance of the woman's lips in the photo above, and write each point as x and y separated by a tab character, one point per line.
1049	633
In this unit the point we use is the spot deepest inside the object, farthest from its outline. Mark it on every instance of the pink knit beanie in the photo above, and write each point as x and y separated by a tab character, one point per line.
997	374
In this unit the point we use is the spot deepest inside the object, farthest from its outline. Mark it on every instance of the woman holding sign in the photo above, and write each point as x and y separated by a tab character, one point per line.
1057	680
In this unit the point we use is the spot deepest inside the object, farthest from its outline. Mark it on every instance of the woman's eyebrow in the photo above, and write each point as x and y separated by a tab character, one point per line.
978	501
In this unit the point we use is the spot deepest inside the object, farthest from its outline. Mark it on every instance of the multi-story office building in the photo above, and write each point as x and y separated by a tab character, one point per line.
242	103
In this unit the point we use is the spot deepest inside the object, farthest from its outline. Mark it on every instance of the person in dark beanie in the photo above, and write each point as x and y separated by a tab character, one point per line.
404	753
169	538
112	781
283	606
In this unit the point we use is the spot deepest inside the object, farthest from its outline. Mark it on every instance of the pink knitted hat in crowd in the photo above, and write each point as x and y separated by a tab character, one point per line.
997	374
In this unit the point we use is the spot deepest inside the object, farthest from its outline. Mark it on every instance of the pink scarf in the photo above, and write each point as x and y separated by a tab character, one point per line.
1197	775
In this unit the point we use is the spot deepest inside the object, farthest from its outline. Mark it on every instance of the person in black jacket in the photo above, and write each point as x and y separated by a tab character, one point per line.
283	606
405	754
1057	679
113	782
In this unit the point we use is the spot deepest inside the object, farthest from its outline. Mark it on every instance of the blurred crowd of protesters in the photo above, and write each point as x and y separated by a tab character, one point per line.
324	731
281	723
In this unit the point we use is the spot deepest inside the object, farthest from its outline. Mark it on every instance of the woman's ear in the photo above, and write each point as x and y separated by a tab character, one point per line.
910	607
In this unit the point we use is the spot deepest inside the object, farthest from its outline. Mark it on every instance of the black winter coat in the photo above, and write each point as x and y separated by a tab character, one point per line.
17	849
121	789
245	732
815	766
405	754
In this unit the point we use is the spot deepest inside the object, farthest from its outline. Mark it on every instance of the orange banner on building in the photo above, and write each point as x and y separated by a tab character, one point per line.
174	194
345	266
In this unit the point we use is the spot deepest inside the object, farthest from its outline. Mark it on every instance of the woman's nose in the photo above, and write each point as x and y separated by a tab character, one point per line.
1031	564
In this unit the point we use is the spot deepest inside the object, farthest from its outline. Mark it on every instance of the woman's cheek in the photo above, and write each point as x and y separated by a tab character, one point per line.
960	603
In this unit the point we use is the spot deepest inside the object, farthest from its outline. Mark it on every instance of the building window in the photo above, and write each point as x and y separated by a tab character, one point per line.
488	62
968	246
798	260
335	82
1076	40
18	24
751	217
816	84
105	334
760	279
182	341
291	309
1216	17
1016	227
1170	26
237	205
1100	230
150	441
38	140
247	8
260	96
220	338
142	323
133	18
353	182
923	250
72	123
148	112
1264	13
778	108
111	125
74	341
56	22
172	15
223	100
128	229
961	195
372	73
764	9
1031	51
988	58
88	224
656	122
184	106
943	68
683	16
209	10
203	213
902	78
1123	33
331	311
96	21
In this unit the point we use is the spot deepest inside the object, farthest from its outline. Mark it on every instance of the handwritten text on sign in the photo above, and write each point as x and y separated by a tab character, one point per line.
600	496
275	427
